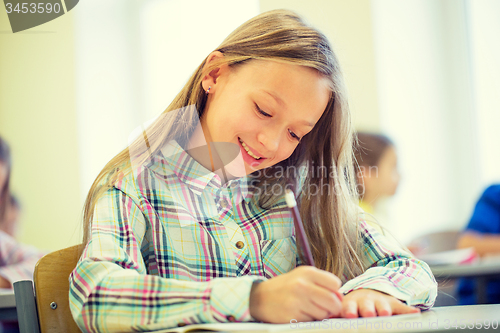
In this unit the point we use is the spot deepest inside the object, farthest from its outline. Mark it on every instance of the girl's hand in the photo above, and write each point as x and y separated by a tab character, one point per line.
371	303
304	294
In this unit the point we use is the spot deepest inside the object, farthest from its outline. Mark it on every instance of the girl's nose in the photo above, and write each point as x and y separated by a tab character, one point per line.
270	139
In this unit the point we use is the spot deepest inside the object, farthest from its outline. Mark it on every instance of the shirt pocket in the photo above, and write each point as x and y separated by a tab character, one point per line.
279	256
188	239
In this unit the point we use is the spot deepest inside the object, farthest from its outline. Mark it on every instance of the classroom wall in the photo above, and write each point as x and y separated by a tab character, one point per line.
38	119
348	26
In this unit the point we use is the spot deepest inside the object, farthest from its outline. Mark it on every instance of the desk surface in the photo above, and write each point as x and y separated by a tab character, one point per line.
437	320
7	299
488	267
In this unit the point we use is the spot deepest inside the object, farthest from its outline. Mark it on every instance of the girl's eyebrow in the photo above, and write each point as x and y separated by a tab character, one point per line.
281	103
276	97
307	123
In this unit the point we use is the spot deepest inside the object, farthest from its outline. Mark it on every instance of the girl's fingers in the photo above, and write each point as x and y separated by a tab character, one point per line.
339	295
401	308
317	313
370	303
366	308
313	313
383	308
350	309
326	280
305	316
325	302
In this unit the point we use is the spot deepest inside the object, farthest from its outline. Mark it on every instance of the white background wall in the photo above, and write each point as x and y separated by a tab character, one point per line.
485	55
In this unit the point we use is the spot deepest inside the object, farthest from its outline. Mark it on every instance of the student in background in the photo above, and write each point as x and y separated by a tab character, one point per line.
377	172
483	234
5	166
178	232
10	222
9	205
17	261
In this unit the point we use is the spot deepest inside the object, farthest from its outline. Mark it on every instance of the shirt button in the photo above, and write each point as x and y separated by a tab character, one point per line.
224	204
240	244
231	319
181	324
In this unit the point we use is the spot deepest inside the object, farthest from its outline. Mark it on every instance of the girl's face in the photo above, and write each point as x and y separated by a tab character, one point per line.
265	108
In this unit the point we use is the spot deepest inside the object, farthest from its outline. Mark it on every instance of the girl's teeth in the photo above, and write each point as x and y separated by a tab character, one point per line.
248	150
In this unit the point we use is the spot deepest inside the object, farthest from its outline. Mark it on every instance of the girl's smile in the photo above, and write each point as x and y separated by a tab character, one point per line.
250	157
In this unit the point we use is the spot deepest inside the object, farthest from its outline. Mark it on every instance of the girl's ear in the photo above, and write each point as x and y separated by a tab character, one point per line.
210	80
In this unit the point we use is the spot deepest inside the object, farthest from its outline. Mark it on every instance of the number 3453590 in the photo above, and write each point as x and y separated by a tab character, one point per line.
39	7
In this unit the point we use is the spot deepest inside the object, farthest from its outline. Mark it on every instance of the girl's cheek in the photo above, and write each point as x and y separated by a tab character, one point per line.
284	153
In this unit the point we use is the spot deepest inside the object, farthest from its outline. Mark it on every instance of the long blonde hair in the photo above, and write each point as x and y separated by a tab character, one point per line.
330	220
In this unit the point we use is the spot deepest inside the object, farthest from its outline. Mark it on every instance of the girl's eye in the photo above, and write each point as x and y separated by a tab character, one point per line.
259	110
295	136
265	114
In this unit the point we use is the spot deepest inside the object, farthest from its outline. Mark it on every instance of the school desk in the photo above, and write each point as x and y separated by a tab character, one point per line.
478	318
482	270
7	305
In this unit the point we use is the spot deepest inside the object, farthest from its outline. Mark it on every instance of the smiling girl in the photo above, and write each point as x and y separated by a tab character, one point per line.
182	227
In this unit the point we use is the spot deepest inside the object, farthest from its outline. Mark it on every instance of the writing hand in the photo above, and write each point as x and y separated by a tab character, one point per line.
370	303
305	294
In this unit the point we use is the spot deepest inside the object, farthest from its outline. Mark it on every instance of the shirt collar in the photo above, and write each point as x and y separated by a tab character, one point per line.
241	188
192	173
197	177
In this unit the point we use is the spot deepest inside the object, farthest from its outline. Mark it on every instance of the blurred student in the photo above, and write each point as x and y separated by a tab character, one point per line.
10	207
10	222
5	166
483	234
17	261
378	176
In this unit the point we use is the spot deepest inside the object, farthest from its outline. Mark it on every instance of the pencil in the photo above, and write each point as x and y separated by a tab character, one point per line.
300	233
299	227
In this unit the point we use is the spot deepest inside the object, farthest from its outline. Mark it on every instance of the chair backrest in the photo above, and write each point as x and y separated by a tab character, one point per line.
51	280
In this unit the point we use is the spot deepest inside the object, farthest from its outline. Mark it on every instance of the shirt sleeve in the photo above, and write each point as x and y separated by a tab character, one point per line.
486	216
393	271
17	261
111	290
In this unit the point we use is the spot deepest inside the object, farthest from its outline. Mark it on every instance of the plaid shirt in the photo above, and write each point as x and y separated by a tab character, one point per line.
171	244
17	261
